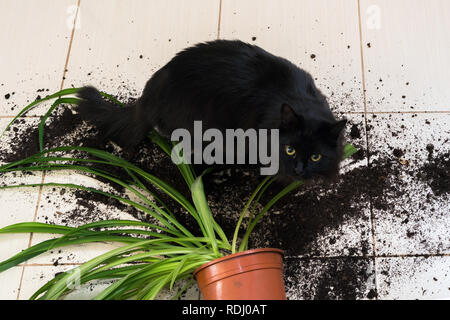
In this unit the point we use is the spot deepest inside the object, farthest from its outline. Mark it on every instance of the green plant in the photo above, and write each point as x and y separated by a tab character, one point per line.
153	255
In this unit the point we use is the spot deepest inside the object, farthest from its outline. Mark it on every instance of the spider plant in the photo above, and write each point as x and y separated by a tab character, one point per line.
154	255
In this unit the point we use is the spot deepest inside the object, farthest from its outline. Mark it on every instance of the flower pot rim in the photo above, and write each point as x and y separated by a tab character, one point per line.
237	255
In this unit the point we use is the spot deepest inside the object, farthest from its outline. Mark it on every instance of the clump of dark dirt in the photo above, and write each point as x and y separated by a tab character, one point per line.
341	282
355	132
430	149
398	153
436	173
26	146
86	204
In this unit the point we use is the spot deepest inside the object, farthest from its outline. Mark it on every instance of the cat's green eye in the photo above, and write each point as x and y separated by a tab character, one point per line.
290	151
316	157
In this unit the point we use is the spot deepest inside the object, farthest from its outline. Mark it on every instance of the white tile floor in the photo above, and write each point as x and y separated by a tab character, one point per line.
382	62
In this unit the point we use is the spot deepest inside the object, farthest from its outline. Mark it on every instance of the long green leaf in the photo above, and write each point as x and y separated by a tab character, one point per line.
42	247
200	202
247	205
58	94
251	226
36	227
349	150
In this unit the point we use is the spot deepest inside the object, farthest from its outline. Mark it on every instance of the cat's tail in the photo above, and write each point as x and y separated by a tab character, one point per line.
122	125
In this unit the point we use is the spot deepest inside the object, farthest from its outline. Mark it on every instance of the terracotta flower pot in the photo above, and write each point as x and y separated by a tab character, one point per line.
249	275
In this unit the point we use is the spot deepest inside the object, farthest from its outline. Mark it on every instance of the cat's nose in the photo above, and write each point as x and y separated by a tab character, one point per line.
299	169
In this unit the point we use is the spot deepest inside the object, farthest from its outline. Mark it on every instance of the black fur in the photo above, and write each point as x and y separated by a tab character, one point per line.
228	84
120	124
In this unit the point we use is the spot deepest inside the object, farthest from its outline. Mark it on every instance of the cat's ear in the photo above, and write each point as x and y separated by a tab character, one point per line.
337	127
289	119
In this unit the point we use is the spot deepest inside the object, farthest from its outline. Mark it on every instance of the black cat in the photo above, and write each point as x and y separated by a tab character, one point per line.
230	85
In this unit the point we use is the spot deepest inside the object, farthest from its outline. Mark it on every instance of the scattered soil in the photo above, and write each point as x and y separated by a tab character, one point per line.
355	132
298	224
346	279
314	210
436	173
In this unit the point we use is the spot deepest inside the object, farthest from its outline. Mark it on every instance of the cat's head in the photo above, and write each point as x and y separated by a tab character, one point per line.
310	145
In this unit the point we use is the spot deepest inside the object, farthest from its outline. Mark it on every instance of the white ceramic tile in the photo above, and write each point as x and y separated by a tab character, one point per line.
329	279
406	65
412	217
63	206
9	283
119	45
16	205
414	278
35	38
321	37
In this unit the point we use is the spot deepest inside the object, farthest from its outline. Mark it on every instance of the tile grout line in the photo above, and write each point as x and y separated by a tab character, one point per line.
363	78
43	173
70	44
219	19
